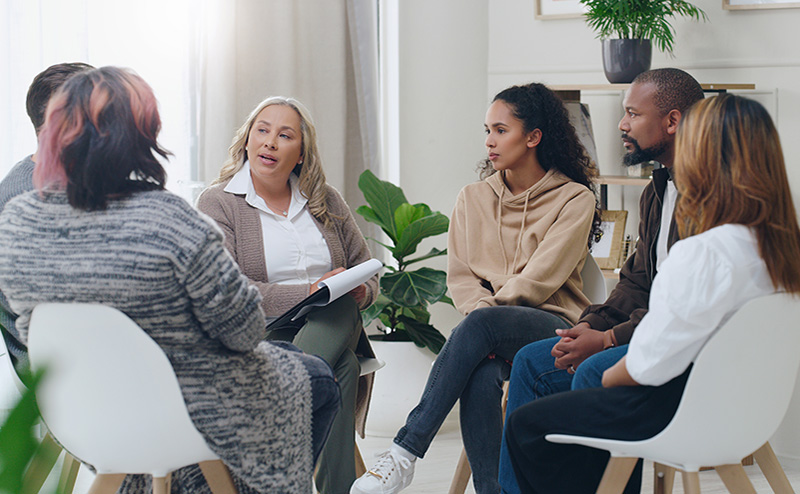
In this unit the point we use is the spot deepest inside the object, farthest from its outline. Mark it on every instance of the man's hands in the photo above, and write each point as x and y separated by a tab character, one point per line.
576	345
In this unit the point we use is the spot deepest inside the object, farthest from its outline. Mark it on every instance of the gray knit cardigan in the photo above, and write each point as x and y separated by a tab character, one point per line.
241	224
162	263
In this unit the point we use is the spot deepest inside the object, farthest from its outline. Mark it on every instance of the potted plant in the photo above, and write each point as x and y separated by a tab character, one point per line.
635	24
401	308
402	304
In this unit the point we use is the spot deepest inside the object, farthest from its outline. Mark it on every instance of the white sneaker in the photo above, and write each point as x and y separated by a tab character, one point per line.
390	474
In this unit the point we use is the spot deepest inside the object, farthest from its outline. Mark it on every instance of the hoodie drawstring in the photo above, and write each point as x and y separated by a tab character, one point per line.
519	234
521	229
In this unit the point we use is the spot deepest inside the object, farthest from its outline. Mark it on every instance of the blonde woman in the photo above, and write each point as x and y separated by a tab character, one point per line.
288	229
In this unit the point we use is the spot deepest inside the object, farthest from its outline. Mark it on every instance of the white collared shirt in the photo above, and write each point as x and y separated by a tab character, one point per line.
705	279
294	248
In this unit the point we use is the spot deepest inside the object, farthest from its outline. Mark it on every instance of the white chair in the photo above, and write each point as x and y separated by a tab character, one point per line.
735	398
111	398
594	287
48	451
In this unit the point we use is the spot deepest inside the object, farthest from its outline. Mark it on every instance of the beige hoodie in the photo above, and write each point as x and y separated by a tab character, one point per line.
526	249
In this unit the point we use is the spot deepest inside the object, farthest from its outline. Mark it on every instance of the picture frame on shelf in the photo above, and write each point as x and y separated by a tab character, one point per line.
557	9
607	250
759	4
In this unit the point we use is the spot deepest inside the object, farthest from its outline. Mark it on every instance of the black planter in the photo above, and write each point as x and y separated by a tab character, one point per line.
624	59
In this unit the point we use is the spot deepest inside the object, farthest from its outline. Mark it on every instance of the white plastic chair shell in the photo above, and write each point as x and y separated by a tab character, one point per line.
110	395
594	283
736	395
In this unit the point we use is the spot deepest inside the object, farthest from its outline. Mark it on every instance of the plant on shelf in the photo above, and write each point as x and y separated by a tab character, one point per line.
639	19
629	28
402	304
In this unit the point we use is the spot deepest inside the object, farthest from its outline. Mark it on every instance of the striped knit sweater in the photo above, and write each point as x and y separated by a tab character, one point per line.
162	263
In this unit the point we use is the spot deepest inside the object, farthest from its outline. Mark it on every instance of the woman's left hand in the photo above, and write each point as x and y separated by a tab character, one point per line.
359	293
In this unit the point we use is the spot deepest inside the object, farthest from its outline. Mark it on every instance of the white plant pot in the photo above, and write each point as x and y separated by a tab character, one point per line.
398	386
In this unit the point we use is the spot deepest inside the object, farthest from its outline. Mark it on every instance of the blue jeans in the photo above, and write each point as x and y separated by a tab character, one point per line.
472	366
534	375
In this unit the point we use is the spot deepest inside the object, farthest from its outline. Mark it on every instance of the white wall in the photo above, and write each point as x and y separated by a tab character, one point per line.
758	46
443	101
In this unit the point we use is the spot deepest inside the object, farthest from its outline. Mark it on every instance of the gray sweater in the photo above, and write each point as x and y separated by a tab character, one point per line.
18	181
163	264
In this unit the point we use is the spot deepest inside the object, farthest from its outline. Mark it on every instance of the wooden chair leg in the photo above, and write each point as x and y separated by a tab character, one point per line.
461	476
735	479
159	485
616	475
106	483
691	482
42	463
361	468
772	470
69	473
663	478
218	477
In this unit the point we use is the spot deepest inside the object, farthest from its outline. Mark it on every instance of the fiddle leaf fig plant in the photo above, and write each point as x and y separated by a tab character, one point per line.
402	304
639	19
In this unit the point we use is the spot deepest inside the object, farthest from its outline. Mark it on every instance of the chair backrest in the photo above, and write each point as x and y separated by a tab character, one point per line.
739	388
109	394
594	283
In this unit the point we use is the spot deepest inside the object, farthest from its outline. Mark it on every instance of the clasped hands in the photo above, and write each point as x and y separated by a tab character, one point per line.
581	342
577	344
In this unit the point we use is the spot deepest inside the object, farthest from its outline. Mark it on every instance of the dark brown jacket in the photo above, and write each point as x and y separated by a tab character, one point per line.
628	302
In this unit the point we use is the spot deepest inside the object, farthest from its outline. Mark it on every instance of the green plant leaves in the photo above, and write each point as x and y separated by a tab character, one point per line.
639	19
17	442
417	230
402	304
383	198
423	334
412	288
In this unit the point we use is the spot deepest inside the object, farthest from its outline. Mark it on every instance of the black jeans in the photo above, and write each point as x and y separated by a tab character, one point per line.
629	413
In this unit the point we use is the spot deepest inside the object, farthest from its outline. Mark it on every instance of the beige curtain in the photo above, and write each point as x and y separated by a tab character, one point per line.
322	52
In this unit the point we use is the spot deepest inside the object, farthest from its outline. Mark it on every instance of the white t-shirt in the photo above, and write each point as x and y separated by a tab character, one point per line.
705	279
670	195
295	250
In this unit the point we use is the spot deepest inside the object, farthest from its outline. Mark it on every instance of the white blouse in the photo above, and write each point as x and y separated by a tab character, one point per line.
705	279
295	250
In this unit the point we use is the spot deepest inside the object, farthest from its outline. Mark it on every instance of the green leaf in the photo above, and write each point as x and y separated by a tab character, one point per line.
384	198
433	224
433	253
407	214
447	300
17	442
424	335
371	312
413	288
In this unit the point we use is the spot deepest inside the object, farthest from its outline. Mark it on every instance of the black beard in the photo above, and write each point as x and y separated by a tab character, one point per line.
639	155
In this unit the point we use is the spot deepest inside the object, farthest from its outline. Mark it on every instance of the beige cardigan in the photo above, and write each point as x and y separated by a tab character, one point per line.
526	249
242	227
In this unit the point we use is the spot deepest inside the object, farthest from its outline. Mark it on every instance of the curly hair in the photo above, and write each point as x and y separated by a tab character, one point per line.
311	176
537	107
